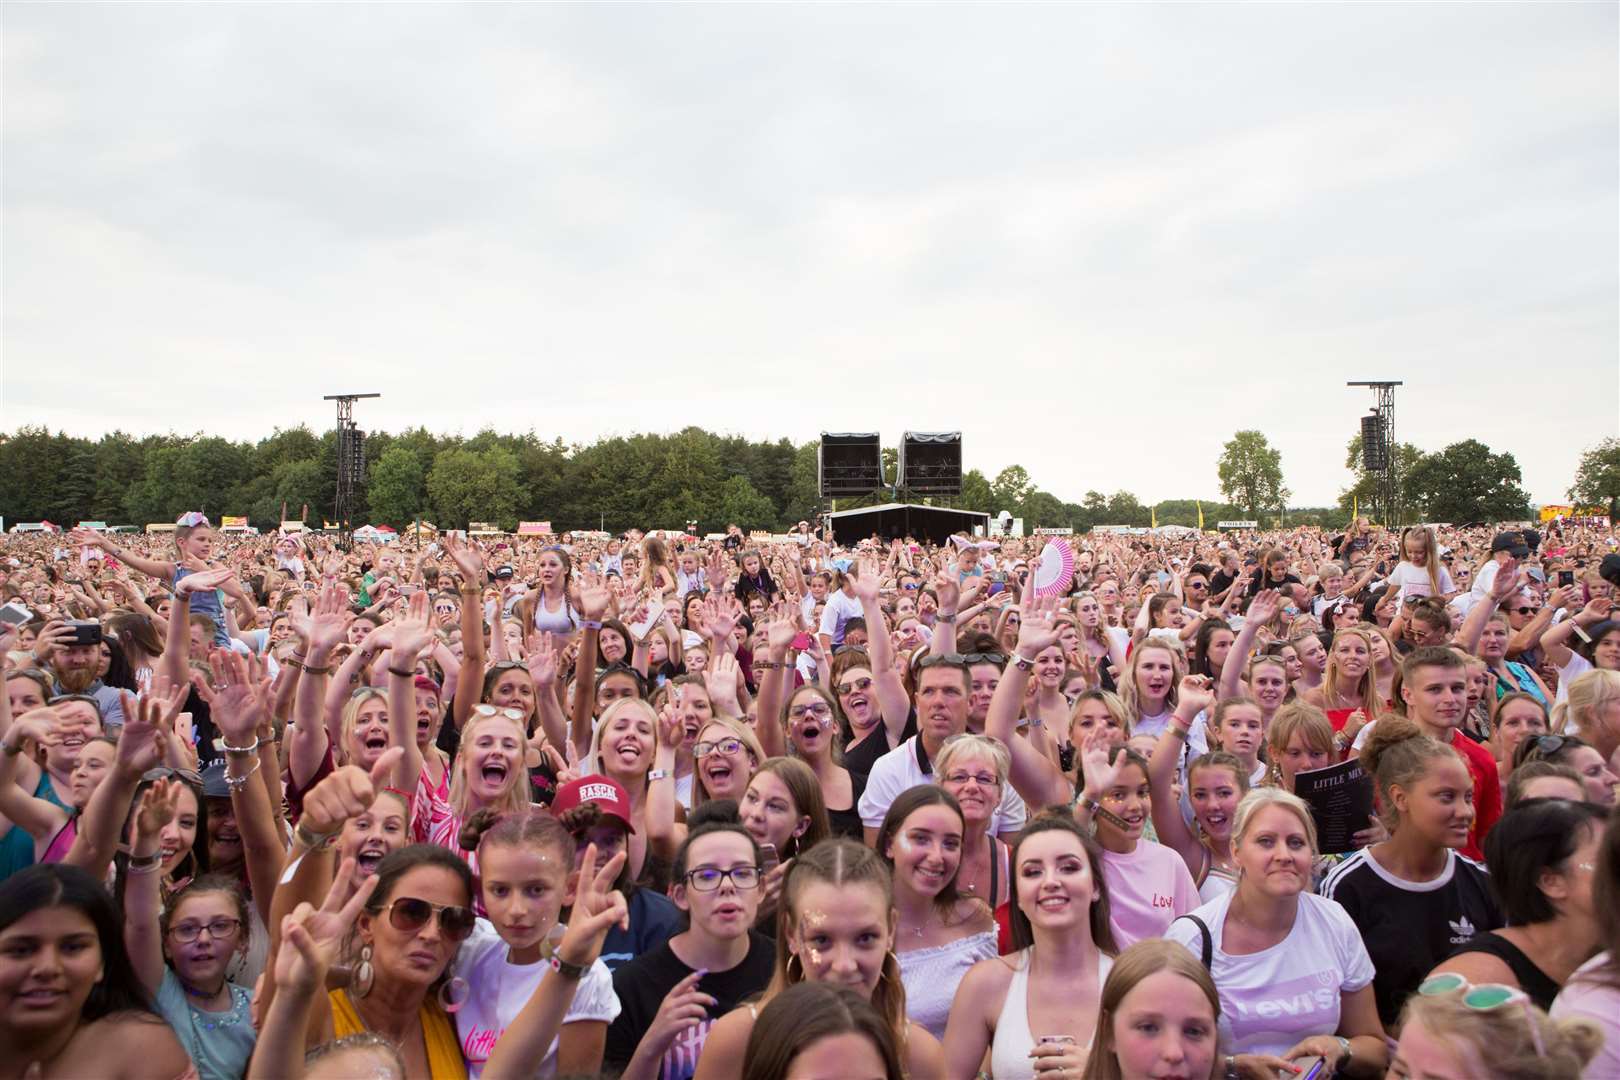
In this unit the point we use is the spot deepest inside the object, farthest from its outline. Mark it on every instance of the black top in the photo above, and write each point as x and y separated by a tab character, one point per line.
642	984
1532	980
859	761
847	822
1409	927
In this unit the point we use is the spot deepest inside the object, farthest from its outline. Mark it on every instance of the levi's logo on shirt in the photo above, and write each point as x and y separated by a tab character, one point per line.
1259	1013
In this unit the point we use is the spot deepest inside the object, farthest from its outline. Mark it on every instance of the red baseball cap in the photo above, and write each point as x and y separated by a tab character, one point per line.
606	792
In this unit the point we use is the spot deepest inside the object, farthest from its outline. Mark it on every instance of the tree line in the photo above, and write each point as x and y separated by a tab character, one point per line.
649	480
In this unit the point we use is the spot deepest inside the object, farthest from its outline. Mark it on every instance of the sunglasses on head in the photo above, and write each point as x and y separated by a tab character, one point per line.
499	710
1485	997
164	772
998	659
408	914
1553	745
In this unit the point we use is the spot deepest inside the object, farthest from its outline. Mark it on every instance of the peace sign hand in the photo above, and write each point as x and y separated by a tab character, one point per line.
316	934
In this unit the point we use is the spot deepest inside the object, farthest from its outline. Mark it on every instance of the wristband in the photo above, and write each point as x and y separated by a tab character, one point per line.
294	663
565	969
311	670
657	774
1021	663
309	837
11	749
942	617
144	864
1179	732
590	624
229	749
402	674
237	783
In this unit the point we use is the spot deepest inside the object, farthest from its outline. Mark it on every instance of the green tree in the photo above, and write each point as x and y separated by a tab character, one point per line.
741	502
976	493
466	486
1009	489
1597	479
1251	473
395	492
1124	509
1467	482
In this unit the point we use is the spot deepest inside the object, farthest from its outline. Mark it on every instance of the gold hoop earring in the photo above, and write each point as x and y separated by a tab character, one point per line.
788	968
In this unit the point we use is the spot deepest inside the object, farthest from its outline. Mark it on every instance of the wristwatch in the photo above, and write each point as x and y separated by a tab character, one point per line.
1021	663
565	969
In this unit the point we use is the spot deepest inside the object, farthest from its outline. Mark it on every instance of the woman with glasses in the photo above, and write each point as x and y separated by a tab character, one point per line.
1542	859
1600	782
416	917
671	996
182	951
814	734
973	768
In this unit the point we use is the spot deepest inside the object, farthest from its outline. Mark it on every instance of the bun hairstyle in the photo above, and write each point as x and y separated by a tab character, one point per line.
532	827
1397	754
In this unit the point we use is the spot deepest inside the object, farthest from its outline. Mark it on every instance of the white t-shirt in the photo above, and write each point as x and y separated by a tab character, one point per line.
840	609
1272	999
500	989
1574	668
1411	580
899	769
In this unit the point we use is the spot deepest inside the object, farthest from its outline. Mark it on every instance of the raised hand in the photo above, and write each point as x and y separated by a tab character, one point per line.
467	562
598	907
237	701
780	631
1265	605
542	661
1508	579
671	732
1038	628
947	589
202	581
1100	774
158	805
328	625
348	792
594	596
317	934
721	678
140	744
720	615
866	584
1195	694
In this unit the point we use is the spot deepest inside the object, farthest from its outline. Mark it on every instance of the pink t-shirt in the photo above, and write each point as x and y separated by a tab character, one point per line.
1147	889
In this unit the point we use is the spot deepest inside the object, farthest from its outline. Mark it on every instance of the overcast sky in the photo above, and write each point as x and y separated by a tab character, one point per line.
1095	239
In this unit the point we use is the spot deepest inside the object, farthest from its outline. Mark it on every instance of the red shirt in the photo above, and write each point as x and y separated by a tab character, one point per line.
1487	791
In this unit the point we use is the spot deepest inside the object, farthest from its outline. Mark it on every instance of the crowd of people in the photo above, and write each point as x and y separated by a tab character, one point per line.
667	807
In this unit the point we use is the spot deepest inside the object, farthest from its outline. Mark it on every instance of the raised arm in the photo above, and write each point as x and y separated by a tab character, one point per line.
1036	778
240	710
471	590
319	633
1508	580
1556	640
664	834
594	599
1193	698
891	692
1534	632
140	747
39	818
1261	611
158	568
412	635
774	684
142	903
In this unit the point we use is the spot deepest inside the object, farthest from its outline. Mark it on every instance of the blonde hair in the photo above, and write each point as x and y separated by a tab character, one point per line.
1261	798
1589	697
1145	958
970	745
592	763
1431	555
515	797
1501	1040
745	735
1368	683
1110	701
351	710
1128	691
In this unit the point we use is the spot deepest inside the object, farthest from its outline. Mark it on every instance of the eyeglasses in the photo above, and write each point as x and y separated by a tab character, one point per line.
498	710
909	585
217	929
855	686
818	710
983	779
950	660
708	878
1485	997
998	659
721	746
408	915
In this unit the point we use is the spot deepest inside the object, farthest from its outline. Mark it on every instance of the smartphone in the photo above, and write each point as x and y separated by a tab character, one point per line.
768	858
407	590
997	587
15	613
85	632
642	627
1318	1070
801	642
1566	578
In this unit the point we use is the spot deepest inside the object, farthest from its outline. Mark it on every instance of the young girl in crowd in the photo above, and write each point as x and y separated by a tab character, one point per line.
1214	784
1035	1010
782	810
1152	676
1158	1017
939	935
199	932
837	927
526	863
816	1030
49	773
1412	897
1419	572
622	749
1293	975
672	996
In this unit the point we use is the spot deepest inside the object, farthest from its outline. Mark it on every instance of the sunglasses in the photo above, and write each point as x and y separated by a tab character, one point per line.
1553	745
909	585
855	686
164	772
1485	997
407	914
498	710
998	659
508	665
1526	610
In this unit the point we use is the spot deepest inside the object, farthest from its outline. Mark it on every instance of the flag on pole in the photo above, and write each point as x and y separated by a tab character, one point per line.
1355	507
1200	516
1153	516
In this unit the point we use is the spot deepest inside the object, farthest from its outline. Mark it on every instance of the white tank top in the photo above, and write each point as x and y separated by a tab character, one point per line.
563	621
1009	1052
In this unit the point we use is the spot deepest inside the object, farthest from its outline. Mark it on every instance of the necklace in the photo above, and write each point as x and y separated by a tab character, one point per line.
918	930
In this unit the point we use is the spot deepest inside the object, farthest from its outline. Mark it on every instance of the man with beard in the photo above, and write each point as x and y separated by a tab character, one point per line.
73	671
